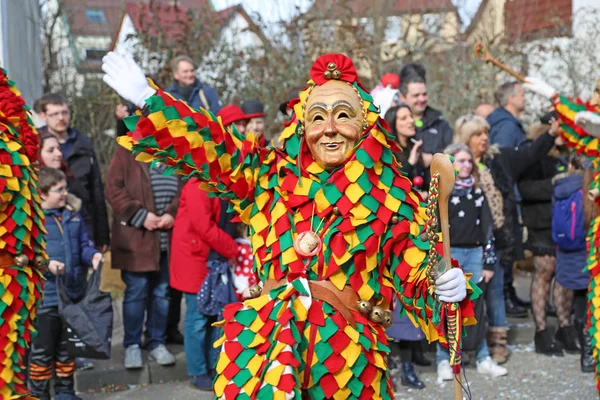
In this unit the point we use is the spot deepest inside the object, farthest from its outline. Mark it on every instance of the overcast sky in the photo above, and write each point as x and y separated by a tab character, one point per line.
274	10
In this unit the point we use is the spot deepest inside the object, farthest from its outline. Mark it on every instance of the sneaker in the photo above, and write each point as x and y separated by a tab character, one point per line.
202	382
162	356
487	366
444	371
133	357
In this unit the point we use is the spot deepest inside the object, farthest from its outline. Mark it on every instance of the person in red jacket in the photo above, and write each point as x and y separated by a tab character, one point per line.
196	234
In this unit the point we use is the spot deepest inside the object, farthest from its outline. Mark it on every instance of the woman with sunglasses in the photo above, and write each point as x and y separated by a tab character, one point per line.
499	169
471	229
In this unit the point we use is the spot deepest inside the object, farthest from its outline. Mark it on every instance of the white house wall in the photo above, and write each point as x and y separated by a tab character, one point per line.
577	70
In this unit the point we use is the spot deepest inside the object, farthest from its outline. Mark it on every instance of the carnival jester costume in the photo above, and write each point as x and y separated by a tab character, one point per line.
22	245
580	123
336	233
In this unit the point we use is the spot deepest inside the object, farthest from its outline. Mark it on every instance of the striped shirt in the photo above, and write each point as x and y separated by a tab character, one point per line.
164	189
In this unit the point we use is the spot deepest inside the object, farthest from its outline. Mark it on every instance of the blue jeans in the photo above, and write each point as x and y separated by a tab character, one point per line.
200	355
494	297
146	292
471	261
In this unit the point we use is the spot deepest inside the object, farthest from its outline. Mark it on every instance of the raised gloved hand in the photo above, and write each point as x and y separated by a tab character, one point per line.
590	121
451	286
540	87
126	78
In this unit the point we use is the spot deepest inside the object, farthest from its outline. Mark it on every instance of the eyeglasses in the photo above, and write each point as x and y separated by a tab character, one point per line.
59	191
64	113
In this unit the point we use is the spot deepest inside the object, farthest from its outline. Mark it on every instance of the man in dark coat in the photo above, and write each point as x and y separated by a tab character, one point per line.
432	128
82	163
506	130
188	88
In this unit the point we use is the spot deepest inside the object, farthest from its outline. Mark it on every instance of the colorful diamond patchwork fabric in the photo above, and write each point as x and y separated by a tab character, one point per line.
370	222
577	138
21	232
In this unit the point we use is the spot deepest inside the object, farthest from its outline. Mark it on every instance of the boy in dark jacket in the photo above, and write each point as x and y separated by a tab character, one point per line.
68	248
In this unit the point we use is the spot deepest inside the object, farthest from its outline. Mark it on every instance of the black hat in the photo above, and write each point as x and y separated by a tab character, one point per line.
290	95
253	108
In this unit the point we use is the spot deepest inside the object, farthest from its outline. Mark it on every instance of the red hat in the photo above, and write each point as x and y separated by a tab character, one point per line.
392	80
232	113
334	66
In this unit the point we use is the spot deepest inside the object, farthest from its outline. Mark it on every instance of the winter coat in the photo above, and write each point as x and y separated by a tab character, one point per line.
436	132
506	168
195	234
195	100
67	241
570	265
410	170
506	130
128	189
535	187
403	328
86	184
470	218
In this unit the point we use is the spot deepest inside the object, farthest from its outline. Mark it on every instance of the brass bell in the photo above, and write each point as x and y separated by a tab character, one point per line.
337	74
331	66
364	307
336	211
327	74
388	319
255	291
423	236
40	262
21	260
433	225
376	315
395	219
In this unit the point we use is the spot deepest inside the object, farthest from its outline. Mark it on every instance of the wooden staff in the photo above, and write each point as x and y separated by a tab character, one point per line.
483	53
443	168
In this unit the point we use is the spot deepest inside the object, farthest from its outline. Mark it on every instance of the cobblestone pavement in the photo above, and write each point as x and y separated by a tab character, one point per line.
531	376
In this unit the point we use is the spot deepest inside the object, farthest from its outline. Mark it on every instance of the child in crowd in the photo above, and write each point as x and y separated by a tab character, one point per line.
470	229
571	214
70	252
244	276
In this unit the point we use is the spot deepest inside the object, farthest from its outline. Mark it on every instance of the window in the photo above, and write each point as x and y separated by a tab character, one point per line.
432	23
94	54
393	29
95	16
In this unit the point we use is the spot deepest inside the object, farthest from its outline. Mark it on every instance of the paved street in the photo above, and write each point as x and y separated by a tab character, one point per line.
531	376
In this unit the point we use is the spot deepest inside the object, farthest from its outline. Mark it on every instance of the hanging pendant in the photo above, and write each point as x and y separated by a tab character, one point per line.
307	244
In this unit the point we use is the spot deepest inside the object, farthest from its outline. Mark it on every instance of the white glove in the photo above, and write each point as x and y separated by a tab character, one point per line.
590	121
540	87
451	286
126	78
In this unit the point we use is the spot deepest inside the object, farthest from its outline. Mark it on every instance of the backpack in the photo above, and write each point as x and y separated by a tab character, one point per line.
568	231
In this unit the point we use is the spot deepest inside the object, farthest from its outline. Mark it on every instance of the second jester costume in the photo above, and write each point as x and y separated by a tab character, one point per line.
336	232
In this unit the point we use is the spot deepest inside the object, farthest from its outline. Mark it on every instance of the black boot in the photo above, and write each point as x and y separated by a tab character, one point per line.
545	344
418	356
585	340
409	377
513	308
568	338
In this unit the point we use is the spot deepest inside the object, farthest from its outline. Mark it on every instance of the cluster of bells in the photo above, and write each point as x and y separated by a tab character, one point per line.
39	261
374	313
